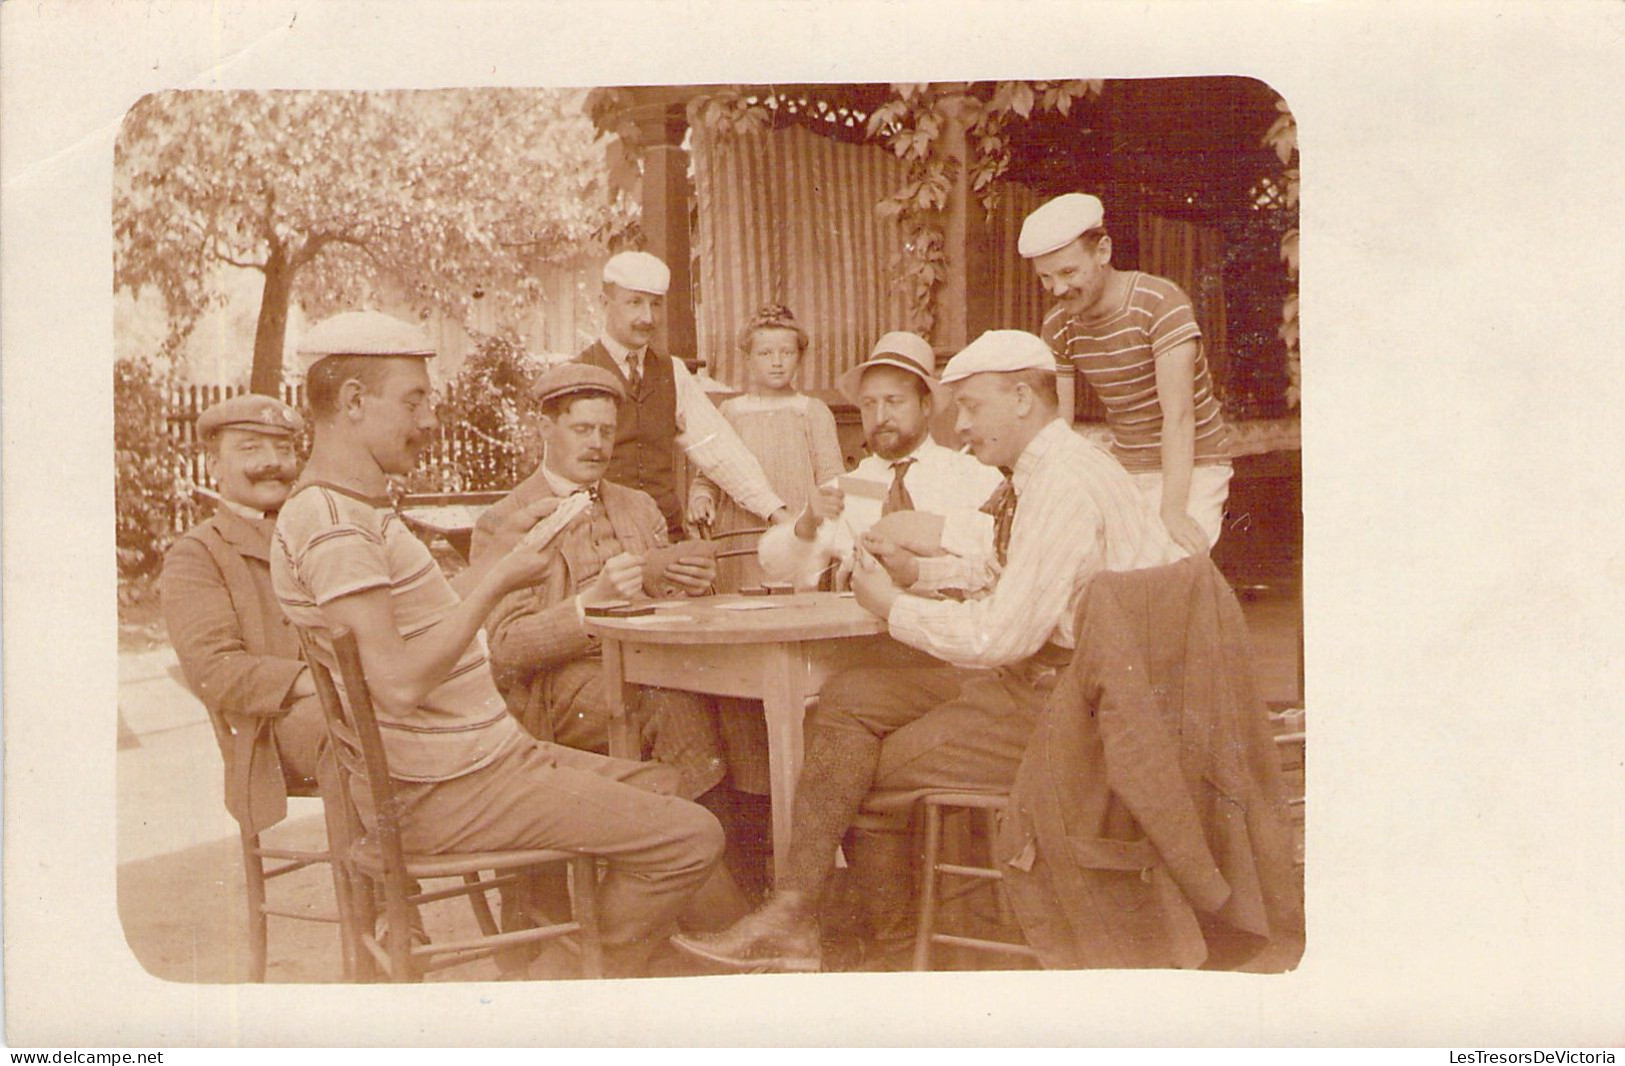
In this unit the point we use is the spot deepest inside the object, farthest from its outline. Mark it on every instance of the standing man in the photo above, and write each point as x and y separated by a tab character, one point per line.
896	395
239	654
467	777
1065	512
667	407
1134	337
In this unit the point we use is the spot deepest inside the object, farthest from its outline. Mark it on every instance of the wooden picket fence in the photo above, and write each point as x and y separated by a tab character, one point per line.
458	459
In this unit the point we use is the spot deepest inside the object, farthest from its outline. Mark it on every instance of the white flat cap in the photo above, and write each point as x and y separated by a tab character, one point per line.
1058	223
906	351
364	333
1000	351
638	271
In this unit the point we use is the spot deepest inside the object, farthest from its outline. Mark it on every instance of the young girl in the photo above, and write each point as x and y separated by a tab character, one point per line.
791	434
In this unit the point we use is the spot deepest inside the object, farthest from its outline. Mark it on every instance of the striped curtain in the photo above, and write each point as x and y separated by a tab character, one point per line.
1192	257
789	217
1018	299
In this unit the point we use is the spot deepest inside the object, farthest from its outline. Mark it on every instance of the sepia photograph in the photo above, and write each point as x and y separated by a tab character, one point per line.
755	533
688	468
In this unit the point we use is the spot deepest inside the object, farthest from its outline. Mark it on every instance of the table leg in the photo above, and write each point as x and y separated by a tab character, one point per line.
784	703
622	743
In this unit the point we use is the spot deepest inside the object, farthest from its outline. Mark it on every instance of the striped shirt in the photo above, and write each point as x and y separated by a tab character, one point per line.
331	543
1077	513
1117	352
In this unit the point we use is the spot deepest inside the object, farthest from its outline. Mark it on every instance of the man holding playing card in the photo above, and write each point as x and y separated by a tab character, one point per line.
911	475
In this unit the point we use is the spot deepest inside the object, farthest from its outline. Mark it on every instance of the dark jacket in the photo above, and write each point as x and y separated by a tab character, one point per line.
645	455
1148	822
238	651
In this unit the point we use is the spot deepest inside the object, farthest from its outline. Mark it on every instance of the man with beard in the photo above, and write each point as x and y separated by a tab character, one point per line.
880	738
238	653
896	396
467	777
666	406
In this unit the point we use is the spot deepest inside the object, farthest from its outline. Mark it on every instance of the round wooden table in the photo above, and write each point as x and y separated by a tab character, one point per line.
777	649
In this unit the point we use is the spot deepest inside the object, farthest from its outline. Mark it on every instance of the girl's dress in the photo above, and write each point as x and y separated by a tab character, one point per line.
793	437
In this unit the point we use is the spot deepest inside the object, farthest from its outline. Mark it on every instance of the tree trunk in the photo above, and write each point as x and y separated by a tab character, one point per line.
272	329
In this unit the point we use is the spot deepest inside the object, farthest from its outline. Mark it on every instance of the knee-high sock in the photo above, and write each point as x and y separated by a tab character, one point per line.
836	775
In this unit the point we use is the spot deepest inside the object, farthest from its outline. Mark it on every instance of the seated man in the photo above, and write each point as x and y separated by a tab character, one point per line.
548	667
466	775
239	655
896	396
1066	512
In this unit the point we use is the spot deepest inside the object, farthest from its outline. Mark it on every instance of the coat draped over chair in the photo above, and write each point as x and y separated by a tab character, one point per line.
1148	823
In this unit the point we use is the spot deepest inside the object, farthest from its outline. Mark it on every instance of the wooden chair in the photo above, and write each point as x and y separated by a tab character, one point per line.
1290	743
376	865
257	874
738	544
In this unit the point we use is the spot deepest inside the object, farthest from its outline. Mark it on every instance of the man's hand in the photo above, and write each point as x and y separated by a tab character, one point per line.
524	565
620	579
827	502
702	510
303	686
1187	533
902	565
693	576
873	587
779	517
496	536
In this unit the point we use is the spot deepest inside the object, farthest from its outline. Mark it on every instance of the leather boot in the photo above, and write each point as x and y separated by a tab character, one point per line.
781	936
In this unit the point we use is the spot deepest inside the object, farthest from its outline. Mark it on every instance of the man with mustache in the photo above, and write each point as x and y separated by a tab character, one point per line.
1134	338
666	407
238	653
467	777
548	667
881	737
896	396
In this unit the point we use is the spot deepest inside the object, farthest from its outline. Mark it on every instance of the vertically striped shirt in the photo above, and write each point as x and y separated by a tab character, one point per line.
1117	352
1077	513
331	543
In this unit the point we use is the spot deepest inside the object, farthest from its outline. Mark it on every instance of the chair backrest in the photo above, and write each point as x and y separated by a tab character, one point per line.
357	745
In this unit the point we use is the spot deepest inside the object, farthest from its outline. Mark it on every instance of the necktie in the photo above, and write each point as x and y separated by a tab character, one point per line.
634	371
1002	506
897	497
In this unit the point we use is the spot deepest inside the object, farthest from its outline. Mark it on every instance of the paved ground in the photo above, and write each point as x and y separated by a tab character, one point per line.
180	885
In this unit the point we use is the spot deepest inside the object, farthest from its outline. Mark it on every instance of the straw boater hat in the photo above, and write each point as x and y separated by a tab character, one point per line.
257	414
905	351
1000	351
1058	223
638	271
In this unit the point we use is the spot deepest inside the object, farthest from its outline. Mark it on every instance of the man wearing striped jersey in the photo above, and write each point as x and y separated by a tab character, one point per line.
1134	337
468	778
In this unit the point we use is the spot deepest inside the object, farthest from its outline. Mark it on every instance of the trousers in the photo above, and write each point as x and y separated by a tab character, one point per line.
660	848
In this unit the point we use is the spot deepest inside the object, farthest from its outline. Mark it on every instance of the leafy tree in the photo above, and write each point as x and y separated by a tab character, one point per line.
337	198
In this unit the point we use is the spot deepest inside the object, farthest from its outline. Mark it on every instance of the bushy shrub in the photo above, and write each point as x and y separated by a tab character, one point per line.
148	479
489	405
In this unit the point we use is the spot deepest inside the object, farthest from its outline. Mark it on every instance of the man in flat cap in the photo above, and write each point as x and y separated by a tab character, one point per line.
897	396
467	776
1134	337
543	659
880	738
238	653
667	408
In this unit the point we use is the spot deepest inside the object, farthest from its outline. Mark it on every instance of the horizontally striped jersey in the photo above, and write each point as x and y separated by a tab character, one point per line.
332	543
1117	354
